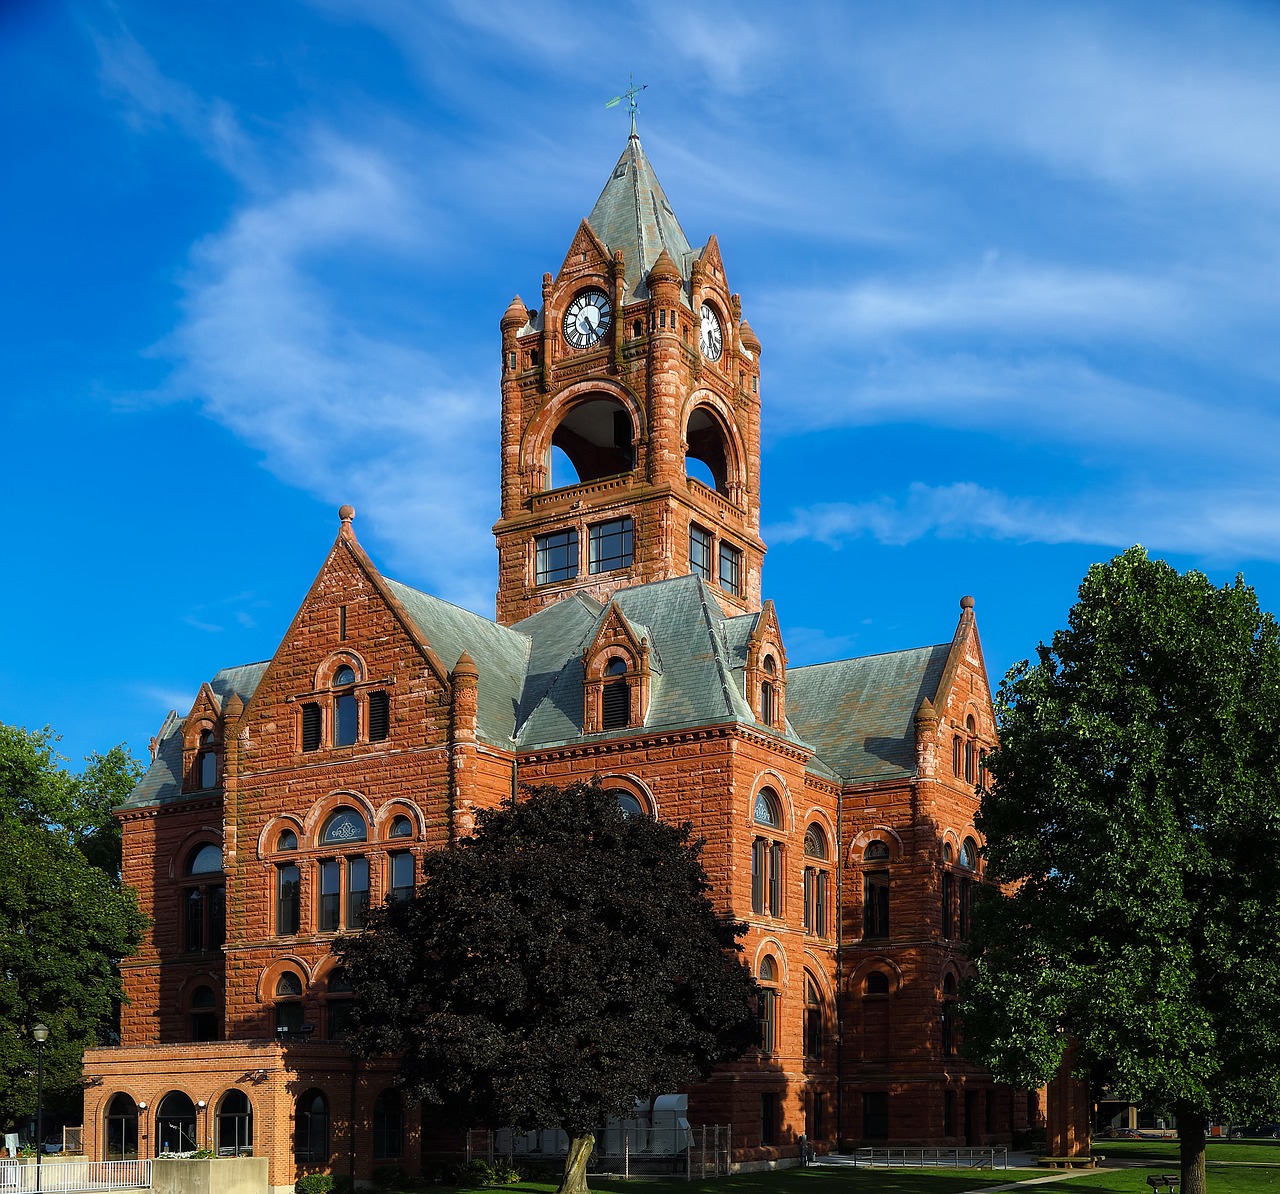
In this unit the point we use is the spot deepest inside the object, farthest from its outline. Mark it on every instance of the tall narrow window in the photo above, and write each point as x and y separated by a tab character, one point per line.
768	1004
759	868
204	1014
235	1124
288	1007
768	711
610	545
556	557
207	764
875	1115
813	1020
288	900
948	905
730	569
388	1125
616	697
401	878
775	878
337	1006
311	1128
342	623
700	552
357	892
204	900
769	1105
345	711
330	895
379	716
875	904
949	994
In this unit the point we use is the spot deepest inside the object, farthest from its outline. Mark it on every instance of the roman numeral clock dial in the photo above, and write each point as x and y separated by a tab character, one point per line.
712	336
587	320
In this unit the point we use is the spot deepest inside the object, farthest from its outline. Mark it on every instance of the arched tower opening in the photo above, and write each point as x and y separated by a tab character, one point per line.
593	440
707	456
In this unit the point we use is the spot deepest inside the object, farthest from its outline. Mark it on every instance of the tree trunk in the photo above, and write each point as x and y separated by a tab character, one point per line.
1191	1129
575	1164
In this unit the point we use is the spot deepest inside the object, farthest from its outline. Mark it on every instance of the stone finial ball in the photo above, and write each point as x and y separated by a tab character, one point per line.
966	602
346	513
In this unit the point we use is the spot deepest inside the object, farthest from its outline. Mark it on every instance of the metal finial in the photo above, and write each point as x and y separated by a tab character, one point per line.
630	94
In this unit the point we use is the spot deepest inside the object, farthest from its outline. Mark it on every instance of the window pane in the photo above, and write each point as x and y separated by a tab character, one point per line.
357	892
206	861
556	557
810	896
388	1125
731	570
288	1017
758	867
217	917
330	895
346	825
875	906
208	769
610	545
775	879
344	720
288	903
820	905
700	552
195	919
401	876
767	808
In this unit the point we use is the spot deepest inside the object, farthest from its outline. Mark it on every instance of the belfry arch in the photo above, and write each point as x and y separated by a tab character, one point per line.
590	431
713	452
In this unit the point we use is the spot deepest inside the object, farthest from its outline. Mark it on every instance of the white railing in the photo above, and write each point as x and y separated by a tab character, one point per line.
933	1158
61	1177
624	1147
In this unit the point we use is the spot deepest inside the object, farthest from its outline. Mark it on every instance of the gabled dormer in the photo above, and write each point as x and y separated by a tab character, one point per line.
203	743
765	674
617	676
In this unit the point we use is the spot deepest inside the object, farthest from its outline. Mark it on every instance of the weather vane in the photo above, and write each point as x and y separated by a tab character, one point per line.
630	94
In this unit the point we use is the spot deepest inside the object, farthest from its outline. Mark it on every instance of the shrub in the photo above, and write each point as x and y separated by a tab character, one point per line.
315	1183
390	1177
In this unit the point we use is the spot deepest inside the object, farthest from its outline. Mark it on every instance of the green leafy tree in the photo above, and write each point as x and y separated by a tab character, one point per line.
1133	821
553	967
65	919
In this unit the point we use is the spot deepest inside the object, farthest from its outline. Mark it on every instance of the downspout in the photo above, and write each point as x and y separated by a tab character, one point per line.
840	992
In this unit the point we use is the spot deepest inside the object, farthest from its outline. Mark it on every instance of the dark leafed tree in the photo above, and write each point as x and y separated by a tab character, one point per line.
65	920
1133	819
550	969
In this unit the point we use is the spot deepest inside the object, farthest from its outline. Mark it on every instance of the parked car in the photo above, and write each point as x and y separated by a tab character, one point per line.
1256	1132
53	1144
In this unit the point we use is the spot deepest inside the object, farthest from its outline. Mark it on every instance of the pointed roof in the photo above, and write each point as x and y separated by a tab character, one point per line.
633	214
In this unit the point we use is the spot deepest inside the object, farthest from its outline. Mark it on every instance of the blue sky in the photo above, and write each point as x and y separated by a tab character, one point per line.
1014	268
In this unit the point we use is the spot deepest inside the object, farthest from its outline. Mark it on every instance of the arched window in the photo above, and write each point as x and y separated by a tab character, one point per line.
817	882
176	1124
204	1016
814	1019
401	827
707	457
346	716
876	983
235	1124
628	804
616	696
343	827
288	840
388	1125
288	1008
767	982
311	1127
207	761
120	1129
877	851
338	1005
344	880
969	854
767	856
204	900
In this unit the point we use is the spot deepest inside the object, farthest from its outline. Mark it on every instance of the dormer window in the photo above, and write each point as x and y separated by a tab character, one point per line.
615	696
768	693
207	761
345	712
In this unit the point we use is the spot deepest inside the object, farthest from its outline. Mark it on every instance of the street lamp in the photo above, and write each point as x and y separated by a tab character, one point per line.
41	1033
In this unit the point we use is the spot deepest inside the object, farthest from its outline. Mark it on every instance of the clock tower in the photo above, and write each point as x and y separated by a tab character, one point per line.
630	415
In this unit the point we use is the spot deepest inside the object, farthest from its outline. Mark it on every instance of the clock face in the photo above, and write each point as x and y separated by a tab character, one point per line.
712	336
588	318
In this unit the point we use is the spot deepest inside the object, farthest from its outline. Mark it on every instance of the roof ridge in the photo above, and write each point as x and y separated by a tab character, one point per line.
800	667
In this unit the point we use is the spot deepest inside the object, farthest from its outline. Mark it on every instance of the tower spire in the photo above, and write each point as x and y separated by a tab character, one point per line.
630	94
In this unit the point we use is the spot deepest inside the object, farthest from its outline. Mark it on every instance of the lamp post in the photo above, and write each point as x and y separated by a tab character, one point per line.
41	1033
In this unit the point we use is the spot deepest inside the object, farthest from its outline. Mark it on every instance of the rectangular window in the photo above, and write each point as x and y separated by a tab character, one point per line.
813	1033
948	905
330	895
195	919
338	1015
875	904
966	900
821	881
342	623
875	1115
379	716
357	892
204	1026
556	557
401	876
768	1019
289	1017
769	1117
311	726
610	545
775	879
731	570
810	897
217	917
345	719
700	552
759	866
288	900
615	702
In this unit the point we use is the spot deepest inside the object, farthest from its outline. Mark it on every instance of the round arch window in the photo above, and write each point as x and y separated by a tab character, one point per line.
969	854
877	851
401	827
207	860
768	808
288	840
345	825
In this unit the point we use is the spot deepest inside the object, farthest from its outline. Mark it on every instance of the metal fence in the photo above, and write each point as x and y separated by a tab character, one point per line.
621	1148
60	1177
931	1158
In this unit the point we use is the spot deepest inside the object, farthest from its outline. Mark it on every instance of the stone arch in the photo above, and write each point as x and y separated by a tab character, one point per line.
883	833
265	992
205	835
773	947
633	784
320	811
271	832
771	779
710	435
581	421
878	962
328	667
399	807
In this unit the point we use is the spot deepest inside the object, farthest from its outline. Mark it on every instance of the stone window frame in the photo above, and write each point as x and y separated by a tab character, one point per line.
758	674
205	889
818	883
316	720
874	854
961	866
769	850
597	676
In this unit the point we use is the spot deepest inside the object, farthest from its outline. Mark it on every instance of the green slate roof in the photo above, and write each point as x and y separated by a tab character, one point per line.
859	714
856	714
632	214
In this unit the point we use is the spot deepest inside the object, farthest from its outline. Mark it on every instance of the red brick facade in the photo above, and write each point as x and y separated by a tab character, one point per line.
369	736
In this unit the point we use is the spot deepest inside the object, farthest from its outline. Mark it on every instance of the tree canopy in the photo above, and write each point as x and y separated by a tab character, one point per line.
559	963
65	919
1132	822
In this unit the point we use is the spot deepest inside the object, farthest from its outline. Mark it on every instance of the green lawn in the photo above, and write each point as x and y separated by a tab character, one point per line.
1250	1152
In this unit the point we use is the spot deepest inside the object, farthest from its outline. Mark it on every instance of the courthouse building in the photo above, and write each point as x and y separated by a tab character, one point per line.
632	644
